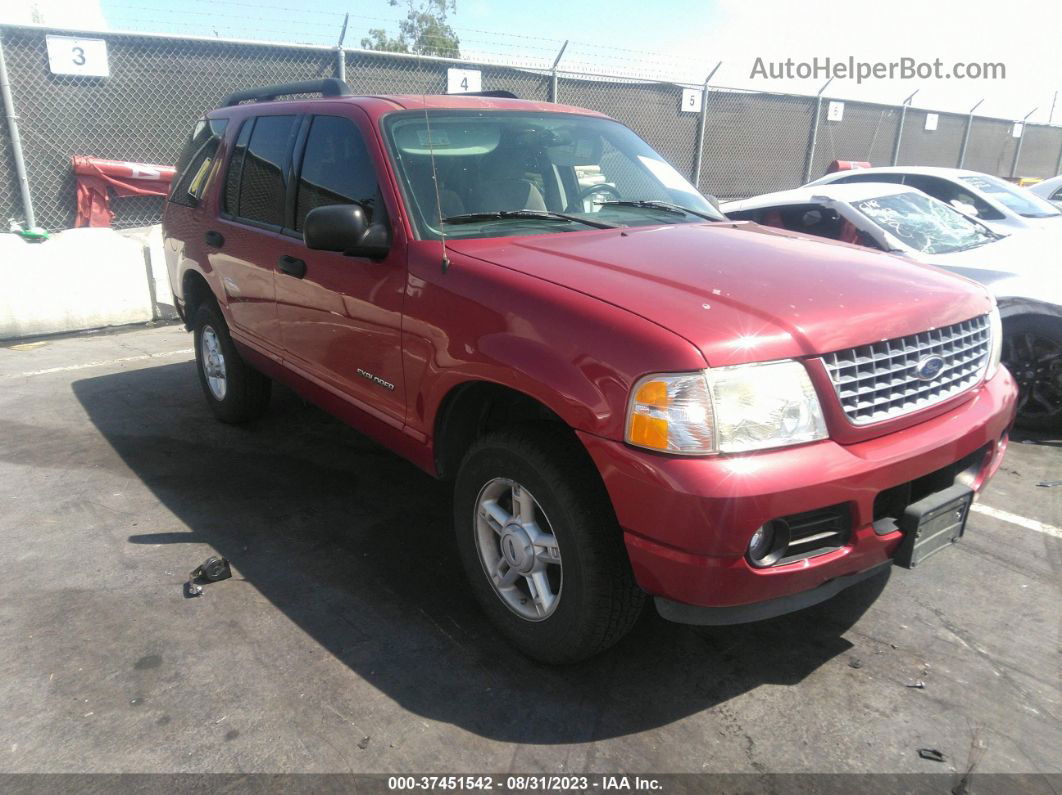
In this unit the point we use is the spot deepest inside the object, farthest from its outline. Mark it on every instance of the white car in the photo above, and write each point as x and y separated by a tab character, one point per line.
1000	205
1024	271
1050	189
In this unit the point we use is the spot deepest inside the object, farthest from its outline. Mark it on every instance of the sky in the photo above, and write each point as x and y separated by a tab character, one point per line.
680	39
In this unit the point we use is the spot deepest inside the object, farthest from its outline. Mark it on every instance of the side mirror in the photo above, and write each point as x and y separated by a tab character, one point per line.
344	228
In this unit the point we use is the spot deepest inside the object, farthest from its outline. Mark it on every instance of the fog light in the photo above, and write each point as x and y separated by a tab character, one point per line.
768	543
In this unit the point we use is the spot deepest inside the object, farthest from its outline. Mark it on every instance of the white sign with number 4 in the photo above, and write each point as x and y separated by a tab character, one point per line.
68	55
463	81
691	100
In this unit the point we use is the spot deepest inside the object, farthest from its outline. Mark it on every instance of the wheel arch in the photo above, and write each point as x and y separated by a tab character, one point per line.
472	408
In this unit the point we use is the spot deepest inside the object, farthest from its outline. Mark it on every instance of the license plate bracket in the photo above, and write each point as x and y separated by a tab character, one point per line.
932	524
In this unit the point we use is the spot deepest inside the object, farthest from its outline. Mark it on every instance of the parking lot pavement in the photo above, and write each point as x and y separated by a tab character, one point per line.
346	639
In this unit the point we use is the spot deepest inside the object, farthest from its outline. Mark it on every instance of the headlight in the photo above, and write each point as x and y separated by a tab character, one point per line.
995	342
727	409
765	405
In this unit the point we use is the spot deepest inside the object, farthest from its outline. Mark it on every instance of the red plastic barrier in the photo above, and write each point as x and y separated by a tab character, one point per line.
847	165
95	175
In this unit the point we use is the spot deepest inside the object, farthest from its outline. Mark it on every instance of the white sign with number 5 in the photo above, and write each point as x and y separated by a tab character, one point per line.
462	81
691	100
68	55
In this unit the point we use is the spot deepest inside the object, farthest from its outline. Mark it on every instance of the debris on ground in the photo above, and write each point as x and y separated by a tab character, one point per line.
931	754
192	590
363	743
919	685
212	569
1047	484
855	662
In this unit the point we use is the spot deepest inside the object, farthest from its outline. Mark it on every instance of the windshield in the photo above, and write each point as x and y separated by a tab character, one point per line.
504	173
923	223
1020	201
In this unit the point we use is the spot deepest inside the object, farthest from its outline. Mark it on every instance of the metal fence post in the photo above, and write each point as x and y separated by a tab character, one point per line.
702	122
814	132
341	55
16	142
899	129
1021	137
553	80
966	134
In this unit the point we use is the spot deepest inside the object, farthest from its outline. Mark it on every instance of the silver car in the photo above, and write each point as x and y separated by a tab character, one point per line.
1024	271
1049	189
995	202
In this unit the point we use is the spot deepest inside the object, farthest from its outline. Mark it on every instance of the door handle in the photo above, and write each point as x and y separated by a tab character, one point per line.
214	239
292	266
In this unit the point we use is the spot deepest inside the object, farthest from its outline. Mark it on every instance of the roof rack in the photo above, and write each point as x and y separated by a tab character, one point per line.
329	87
498	93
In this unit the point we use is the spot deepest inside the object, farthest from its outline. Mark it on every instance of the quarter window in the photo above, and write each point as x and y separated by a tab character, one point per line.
336	169
193	166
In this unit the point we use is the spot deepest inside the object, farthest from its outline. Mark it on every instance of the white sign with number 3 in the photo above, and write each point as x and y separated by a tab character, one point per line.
68	55
462	81
692	99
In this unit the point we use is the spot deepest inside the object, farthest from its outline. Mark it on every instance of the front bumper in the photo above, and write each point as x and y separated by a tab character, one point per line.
687	521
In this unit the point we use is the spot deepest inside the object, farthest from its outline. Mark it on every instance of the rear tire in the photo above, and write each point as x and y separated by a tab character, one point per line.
234	390
541	547
1032	351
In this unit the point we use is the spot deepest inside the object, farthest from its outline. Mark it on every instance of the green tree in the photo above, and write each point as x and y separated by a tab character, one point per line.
424	31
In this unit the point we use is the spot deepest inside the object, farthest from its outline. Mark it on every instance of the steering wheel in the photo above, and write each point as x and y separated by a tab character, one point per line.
603	188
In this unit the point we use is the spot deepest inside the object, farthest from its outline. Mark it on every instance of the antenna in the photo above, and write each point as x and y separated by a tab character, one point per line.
435	181
438	193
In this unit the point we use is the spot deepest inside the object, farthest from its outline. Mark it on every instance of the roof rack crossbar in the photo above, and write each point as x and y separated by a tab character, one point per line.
329	87
497	93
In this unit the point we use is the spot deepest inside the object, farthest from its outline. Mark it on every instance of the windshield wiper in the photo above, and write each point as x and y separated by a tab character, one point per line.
667	207
539	215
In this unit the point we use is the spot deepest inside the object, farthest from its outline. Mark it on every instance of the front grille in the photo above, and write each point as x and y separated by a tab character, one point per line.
877	382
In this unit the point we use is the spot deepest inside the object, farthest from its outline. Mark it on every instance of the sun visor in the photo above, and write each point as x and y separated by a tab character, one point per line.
446	138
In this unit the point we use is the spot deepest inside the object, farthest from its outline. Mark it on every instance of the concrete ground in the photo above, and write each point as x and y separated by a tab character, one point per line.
346	640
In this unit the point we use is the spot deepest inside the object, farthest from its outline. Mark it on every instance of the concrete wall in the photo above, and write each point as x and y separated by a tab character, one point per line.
82	279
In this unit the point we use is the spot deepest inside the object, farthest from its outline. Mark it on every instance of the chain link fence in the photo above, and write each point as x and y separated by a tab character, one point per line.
750	142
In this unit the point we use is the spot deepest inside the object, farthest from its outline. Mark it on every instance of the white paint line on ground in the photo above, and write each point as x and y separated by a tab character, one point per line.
108	363
1020	521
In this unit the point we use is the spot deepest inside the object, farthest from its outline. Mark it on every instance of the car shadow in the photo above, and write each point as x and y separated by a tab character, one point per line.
354	545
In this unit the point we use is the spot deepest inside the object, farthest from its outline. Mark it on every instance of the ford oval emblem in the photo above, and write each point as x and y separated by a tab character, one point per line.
929	367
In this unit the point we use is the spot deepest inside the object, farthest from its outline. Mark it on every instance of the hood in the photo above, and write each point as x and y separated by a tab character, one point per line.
741	292
1024	264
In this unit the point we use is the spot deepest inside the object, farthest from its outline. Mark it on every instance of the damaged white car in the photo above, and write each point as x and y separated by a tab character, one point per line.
1024	270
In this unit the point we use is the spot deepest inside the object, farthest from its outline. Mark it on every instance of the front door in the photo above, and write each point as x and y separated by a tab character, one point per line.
340	316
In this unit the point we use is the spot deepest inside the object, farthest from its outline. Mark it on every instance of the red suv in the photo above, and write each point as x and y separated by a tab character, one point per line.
631	394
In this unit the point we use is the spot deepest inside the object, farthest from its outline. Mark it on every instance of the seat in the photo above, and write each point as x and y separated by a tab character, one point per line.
503	185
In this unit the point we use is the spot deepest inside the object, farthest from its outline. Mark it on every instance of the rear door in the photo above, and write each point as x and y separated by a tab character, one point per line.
245	240
341	316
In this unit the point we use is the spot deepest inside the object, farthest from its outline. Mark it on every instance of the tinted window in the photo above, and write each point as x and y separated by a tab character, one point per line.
262	181
231	198
895	179
1020	201
955	195
336	169
193	166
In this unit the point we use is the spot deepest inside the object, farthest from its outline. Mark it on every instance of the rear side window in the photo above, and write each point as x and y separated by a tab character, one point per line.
257	167
336	169
893	178
193	166
231	197
950	193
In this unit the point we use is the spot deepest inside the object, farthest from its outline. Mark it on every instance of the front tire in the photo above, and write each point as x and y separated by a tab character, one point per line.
1032	351
541	547
234	391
